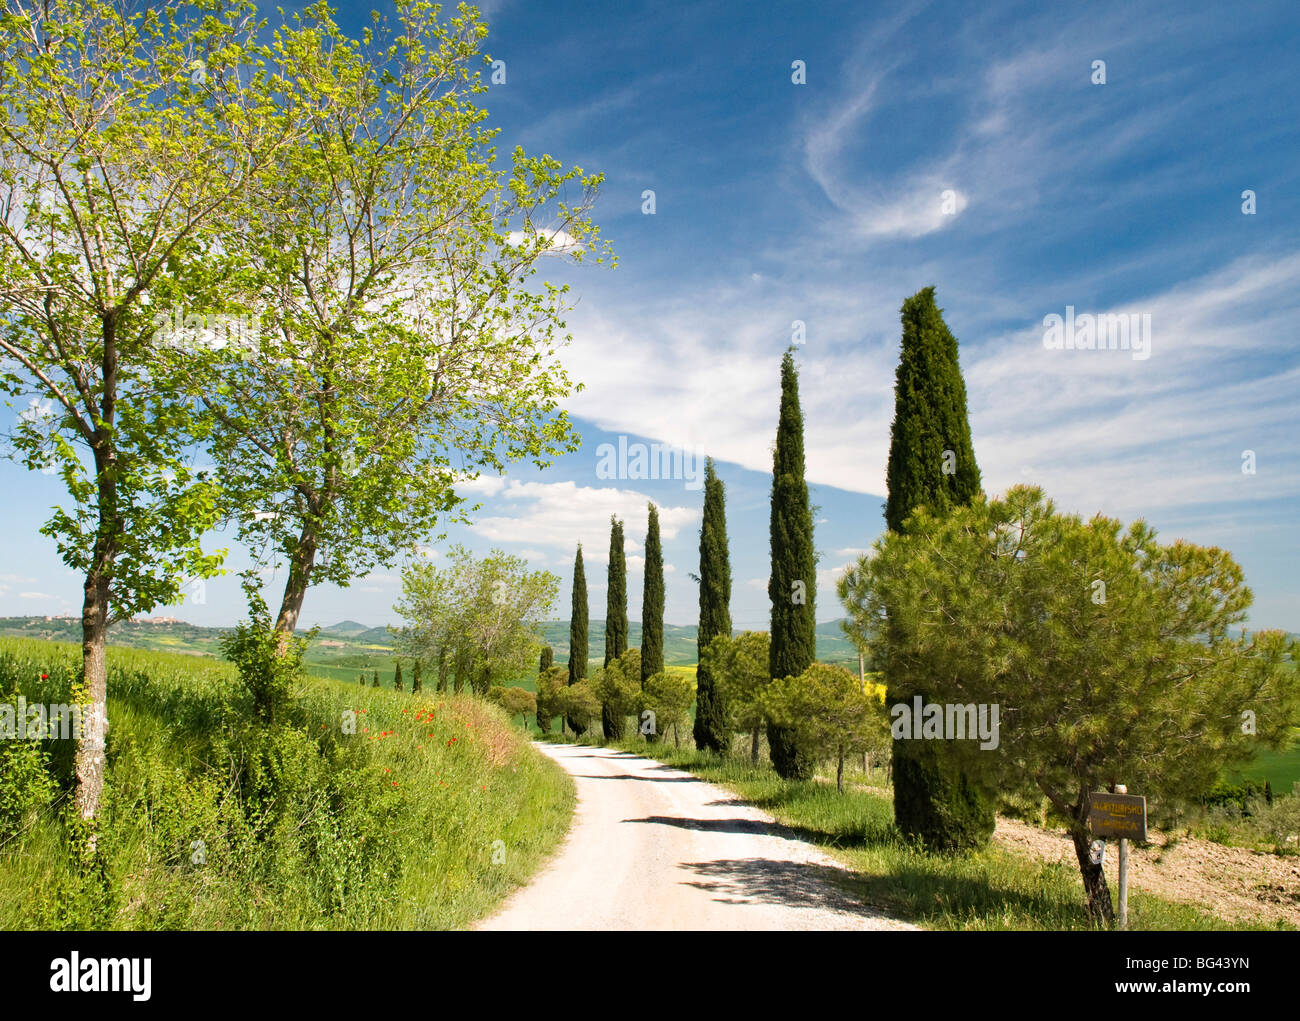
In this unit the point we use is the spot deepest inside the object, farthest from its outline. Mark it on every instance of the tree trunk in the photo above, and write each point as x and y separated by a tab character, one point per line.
1100	909
753	749
90	760
301	561
677	743
839	774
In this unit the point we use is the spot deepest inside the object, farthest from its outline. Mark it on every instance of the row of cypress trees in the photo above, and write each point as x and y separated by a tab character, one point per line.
931	463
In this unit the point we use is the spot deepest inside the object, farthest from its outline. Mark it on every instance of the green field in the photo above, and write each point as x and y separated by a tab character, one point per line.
1280	768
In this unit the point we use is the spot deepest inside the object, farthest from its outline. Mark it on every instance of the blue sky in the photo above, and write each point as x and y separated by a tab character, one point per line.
824	203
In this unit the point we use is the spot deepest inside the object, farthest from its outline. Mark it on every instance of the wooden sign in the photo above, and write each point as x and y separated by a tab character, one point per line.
1118	815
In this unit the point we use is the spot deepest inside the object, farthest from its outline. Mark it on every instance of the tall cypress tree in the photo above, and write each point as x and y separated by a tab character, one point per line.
397	677
792	585
652	602
578	629
652	607
615	619
931	464
417	682
711	726
547	658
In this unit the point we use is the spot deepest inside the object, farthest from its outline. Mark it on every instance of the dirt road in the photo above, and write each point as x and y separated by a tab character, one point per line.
655	848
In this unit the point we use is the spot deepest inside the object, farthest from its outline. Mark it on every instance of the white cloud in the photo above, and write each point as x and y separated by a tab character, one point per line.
35	595
563	514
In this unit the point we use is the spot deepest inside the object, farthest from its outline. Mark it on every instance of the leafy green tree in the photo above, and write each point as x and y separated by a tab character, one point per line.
712	729
104	220
515	701
932	465
579	706
578	633
482	616
1135	680
400	348
792	585
615	624
667	697
829	713
270	676
740	668
551	683
618	685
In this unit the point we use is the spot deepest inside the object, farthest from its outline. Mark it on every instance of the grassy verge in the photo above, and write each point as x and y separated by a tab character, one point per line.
425	817
993	889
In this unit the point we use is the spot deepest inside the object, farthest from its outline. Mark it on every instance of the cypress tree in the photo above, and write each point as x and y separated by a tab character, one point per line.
652	602
416	682
711	726
397	677
376	681
652	607
931	464
548	657
363	680
615	619
578	629
792	584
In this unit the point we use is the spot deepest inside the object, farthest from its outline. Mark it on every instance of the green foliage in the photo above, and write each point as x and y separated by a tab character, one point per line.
390	251
269	670
617	686
616	627
1136	682
652	601
550	687
479	619
828	713
515	701
578	621
213	820
712	730
578	704
792	584
616	594
739	667
668	696
931	464
27	788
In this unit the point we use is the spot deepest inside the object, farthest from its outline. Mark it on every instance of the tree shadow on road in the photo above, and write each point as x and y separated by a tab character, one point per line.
646	779
785	883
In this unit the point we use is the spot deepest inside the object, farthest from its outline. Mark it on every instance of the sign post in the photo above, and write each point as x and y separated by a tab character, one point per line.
1120	815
